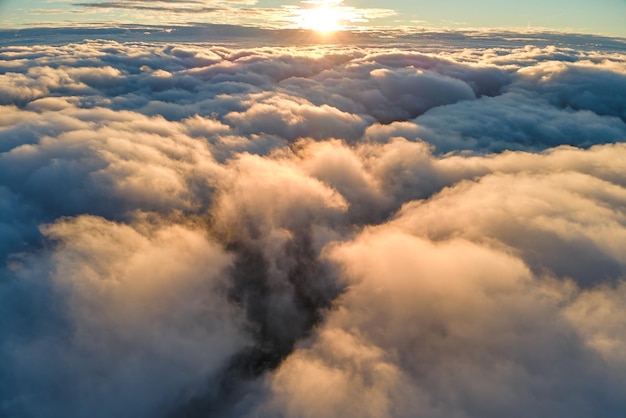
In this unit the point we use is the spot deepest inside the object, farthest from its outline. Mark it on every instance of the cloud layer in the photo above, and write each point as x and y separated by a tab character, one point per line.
193	230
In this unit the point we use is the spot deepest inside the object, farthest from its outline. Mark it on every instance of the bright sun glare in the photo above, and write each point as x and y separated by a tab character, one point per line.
323	18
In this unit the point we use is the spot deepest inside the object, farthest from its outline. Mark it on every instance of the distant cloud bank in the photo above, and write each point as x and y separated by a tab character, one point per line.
378	229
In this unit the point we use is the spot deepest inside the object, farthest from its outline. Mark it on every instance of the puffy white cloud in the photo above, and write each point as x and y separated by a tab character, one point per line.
515	122
581	85
191	230
292	118
142	316
445	329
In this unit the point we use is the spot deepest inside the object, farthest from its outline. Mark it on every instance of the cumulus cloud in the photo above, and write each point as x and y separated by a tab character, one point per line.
127	296
445	329
515	122
191	230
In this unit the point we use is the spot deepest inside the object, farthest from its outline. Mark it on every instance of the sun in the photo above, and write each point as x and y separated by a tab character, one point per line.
323	18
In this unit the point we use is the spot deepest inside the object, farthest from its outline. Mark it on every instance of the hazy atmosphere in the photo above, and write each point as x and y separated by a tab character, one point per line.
607	17
317	209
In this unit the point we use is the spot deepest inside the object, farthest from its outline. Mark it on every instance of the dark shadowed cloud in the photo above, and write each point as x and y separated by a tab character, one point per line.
157	6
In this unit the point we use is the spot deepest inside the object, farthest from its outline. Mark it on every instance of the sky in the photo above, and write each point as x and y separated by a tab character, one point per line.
201	220
606	17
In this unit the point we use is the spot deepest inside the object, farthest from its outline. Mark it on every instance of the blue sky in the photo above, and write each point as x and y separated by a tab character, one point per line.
599	17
